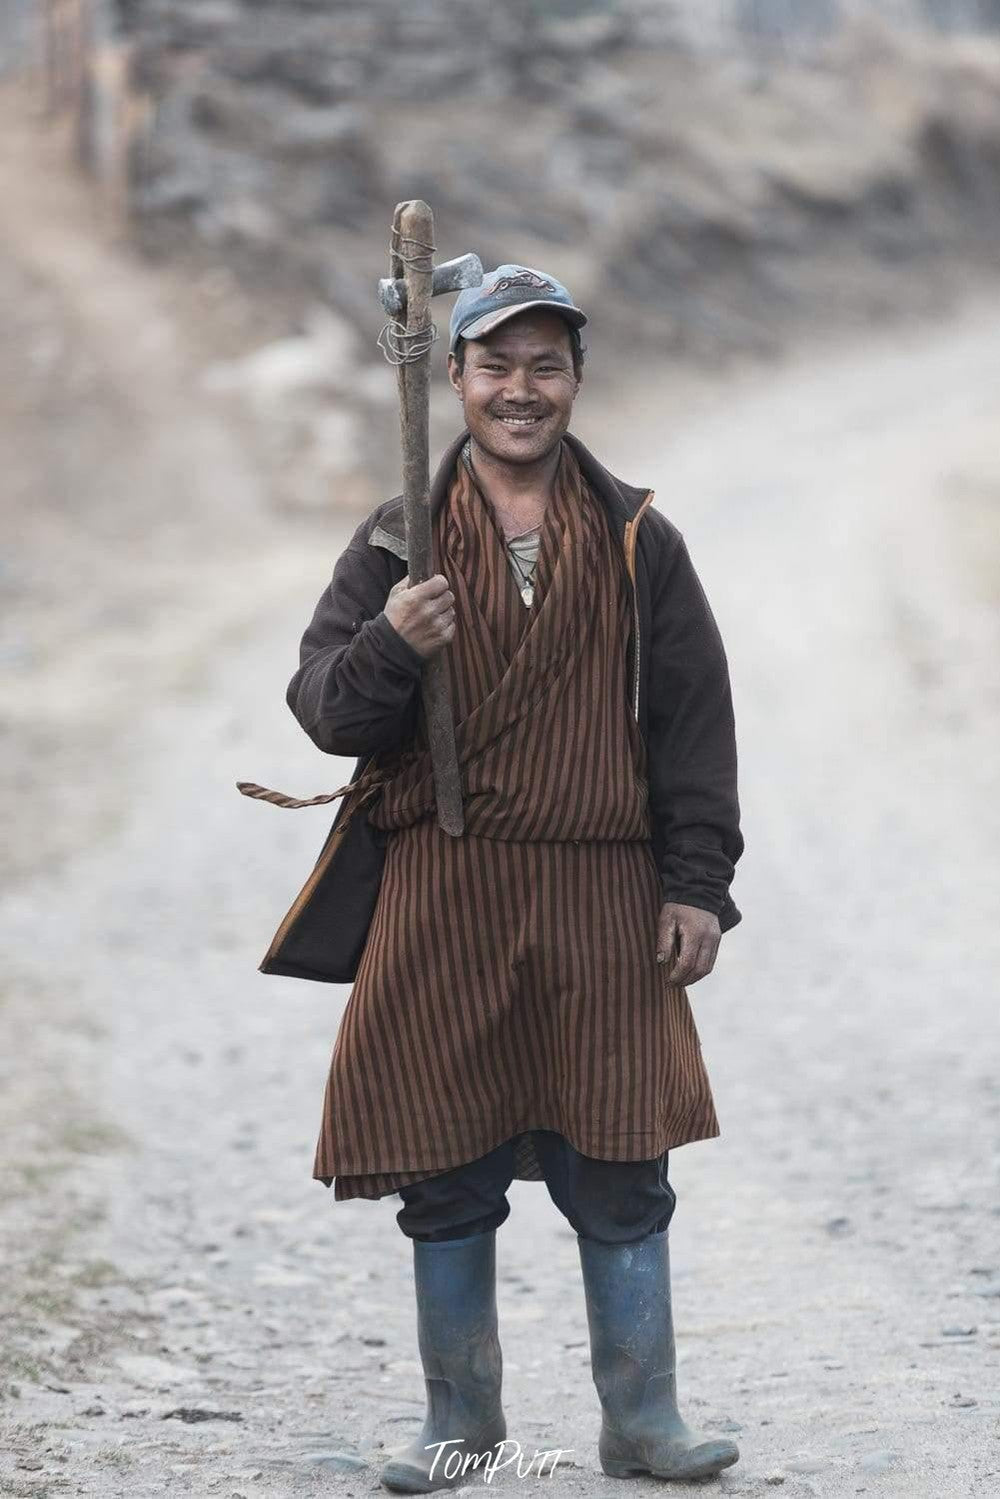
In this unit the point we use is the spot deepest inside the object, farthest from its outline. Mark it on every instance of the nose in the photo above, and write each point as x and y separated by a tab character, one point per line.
517	388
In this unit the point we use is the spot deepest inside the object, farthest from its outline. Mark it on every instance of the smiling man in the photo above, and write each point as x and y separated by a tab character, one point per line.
519	1005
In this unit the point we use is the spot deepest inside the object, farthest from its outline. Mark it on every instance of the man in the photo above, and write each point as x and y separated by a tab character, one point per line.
519	1004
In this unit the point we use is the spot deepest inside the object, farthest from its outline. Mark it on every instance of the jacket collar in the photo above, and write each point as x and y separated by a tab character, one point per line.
620	500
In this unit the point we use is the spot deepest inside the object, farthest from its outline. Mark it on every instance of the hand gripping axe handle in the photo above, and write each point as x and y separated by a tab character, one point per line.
408	291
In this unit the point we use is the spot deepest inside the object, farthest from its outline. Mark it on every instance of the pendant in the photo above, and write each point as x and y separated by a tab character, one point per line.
527	594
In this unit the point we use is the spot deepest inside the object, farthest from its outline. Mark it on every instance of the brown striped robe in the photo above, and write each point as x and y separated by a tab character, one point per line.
509	981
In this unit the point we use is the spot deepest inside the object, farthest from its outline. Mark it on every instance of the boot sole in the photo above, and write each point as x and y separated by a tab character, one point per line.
401	1479
707	1469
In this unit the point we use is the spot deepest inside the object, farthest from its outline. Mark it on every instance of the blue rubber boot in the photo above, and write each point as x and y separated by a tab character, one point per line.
455	1283
633	1359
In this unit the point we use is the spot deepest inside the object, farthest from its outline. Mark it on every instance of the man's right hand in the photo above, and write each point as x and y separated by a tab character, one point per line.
423	613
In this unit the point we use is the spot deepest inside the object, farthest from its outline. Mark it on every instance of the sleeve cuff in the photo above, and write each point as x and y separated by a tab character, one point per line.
728	913
390	644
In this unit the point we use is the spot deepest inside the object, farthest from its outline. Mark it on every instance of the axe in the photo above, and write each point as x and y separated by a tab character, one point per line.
406	342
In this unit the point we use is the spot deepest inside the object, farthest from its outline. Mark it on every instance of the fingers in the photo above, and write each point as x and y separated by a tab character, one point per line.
694	953
432	598
697	965
692	963
439	609
432	588
680	969
423	613
666	938
684	969
439	602
444	624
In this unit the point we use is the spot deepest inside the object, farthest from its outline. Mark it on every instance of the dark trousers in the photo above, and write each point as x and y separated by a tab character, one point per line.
617	1202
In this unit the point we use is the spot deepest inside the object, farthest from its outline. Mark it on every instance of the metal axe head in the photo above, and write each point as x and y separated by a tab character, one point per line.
452	275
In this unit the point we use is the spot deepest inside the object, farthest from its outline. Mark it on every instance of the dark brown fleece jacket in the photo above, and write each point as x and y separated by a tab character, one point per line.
356	693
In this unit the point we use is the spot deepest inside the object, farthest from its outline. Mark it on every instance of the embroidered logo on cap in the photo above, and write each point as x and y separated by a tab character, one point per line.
524	278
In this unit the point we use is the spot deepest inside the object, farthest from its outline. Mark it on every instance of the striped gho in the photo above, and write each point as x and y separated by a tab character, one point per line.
509	980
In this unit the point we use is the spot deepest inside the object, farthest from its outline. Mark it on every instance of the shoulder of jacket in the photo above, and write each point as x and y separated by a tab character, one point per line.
659	533
385	509
381	528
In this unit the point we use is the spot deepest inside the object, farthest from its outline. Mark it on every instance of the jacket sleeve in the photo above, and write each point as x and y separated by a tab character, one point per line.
355	690
692	740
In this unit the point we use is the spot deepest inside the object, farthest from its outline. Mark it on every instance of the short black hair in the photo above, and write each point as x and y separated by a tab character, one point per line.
578	349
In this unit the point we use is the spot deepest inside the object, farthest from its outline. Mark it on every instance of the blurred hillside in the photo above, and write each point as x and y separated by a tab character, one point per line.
712	181
687	190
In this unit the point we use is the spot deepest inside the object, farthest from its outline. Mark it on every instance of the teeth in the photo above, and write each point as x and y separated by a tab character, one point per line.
519	421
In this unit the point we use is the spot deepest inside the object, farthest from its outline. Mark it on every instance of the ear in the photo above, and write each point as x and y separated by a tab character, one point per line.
454	375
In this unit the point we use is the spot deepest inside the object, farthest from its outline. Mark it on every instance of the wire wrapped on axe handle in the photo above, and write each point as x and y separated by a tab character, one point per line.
397	344
400	347
424	258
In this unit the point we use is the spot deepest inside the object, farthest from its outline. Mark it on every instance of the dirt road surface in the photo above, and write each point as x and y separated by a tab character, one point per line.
836	1252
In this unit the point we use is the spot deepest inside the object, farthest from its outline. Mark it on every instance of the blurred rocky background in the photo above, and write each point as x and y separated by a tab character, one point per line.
708	178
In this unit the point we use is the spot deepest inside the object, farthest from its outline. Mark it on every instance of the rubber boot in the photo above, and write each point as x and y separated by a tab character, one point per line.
634	1365
455	1282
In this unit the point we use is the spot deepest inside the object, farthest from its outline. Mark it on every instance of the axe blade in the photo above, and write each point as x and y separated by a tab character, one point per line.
457	274
451	275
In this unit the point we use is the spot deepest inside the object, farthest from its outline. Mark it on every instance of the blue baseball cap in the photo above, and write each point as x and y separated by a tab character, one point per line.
504	293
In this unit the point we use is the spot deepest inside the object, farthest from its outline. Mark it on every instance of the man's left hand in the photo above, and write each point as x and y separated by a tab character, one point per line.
687	942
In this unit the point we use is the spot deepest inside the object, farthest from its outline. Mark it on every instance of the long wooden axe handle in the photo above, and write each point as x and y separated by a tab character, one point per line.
411	260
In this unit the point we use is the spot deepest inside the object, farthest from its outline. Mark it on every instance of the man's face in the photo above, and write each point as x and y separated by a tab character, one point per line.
518	386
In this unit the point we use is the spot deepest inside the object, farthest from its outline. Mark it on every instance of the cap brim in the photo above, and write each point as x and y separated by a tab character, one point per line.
491	320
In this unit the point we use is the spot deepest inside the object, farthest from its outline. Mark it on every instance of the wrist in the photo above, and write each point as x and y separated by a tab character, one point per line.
395	646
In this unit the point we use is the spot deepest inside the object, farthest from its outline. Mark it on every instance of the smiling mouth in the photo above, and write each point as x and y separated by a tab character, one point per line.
518	421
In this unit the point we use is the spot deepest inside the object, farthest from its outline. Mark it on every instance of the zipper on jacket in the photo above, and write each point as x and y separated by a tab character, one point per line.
630	544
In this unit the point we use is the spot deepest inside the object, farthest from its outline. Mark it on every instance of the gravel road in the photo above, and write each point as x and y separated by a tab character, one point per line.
837	1251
